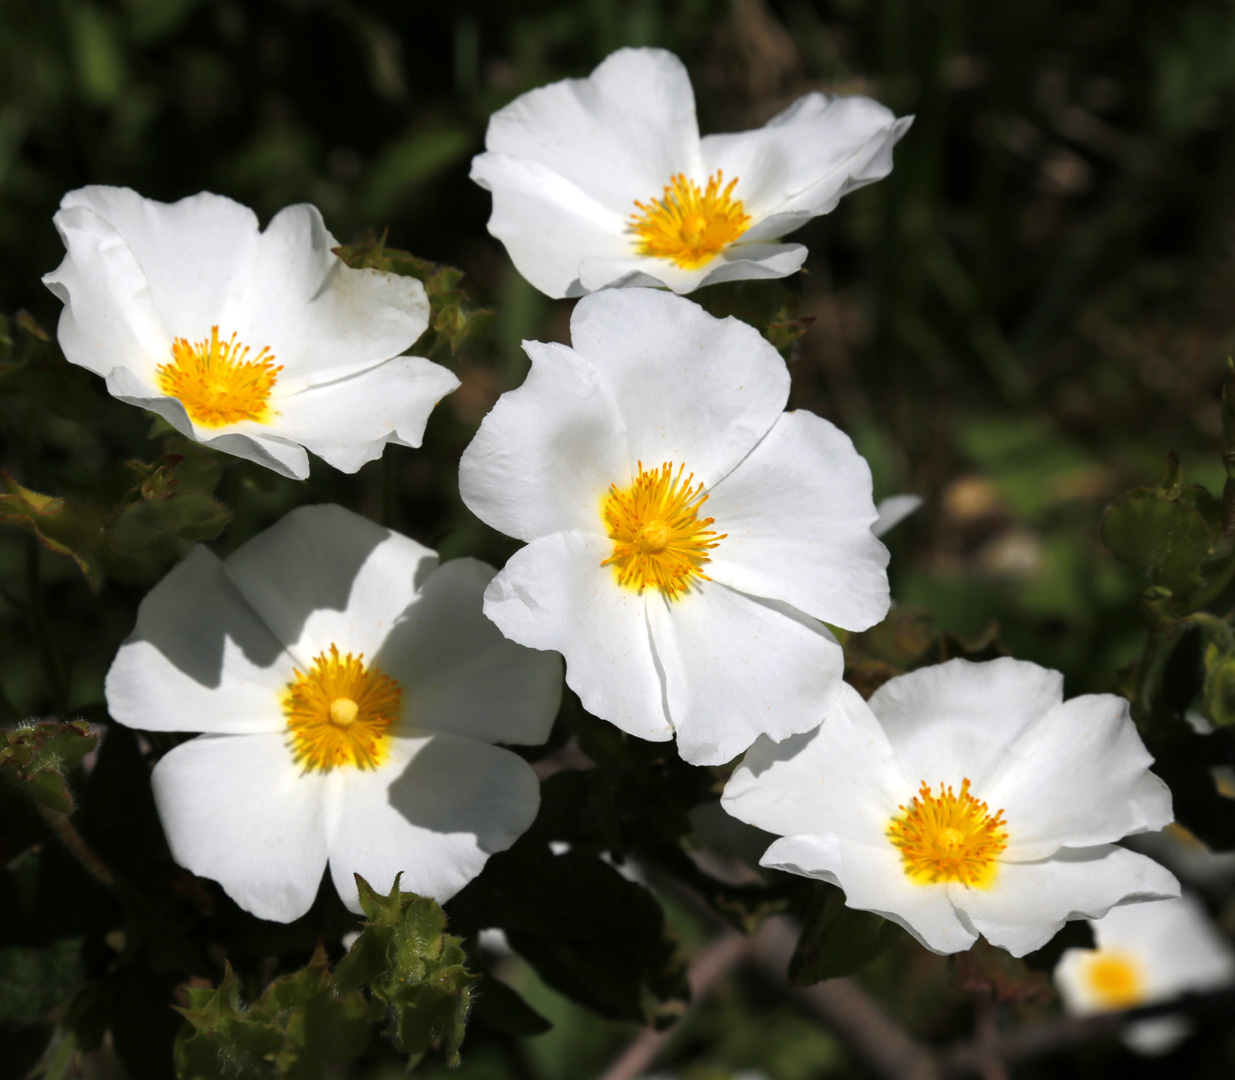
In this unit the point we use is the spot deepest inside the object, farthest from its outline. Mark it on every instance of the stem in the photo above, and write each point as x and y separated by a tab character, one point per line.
49	654
1149	675
1211	592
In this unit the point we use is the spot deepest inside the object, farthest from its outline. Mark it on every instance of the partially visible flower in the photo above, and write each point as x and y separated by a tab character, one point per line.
1147	953
685	536
605	181
964	799
349	690
260	344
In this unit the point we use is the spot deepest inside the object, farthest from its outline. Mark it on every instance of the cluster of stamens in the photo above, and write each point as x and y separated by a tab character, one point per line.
949	837
1115	979
658	537
216	382
689	225
339	713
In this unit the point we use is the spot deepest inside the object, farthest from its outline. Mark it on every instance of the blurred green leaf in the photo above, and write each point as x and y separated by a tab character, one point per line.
1164	532
59	524
42	755
589	933
410	160
35	980
837	940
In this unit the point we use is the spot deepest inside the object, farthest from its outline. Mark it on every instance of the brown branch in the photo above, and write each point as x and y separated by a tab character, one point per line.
881	1044
720	957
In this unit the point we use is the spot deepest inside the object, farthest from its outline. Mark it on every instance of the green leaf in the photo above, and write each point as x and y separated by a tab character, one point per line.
59	524
43	754
1218	695
1162	532
590	933
301	1022
172	501
837	940
35	980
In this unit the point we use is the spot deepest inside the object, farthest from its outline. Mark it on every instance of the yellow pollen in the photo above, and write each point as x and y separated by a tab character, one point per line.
688	225
658	537
338	714
1115	979
216	382
949	837
343	711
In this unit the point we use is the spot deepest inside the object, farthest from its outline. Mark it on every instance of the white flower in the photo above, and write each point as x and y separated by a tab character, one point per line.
964	799
349	689
261	344
1147	953
605	181
671	621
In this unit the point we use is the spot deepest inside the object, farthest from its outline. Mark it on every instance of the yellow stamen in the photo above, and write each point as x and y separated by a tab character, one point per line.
1115	979
687	225
658	538
949	837
216	382
338	714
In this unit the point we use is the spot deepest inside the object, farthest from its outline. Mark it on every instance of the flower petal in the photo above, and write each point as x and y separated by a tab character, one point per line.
199	254
546	223
1028	903
691	389
246	439
873	881
736	667
349	422
545	456
804	159
199	658
737	262
841	778
236	808
554	594
459	674
323	576
797	514
618	135
1077	778
322	319
893	510
436	810
109	318
957	719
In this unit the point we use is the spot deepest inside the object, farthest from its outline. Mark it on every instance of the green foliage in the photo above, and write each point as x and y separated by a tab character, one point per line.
837	940
589	933
300	1022
412	967
171	502
403	967
33	981
452	315
42	755
1165	532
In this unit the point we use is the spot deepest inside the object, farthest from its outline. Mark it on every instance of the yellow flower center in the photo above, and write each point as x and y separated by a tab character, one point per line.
1115	979
687	225
338	714
658	537
216	382
949	837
